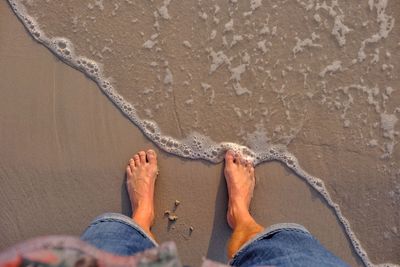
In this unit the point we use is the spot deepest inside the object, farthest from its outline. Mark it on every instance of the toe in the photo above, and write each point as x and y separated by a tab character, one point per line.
238	159
252	170
136	159
128	170
247	164
229	157
151	156
142	156
131	163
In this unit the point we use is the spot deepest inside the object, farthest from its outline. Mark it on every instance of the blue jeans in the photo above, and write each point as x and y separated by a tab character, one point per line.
285	244
118	234
278	245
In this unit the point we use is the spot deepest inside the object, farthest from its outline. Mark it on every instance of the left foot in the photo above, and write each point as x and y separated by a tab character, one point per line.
141	173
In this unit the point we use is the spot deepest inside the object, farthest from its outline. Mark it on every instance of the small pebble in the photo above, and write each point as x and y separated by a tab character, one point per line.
167	212
172	218
177	202
191	228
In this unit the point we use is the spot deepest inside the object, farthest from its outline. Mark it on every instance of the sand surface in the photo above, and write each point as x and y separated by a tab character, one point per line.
64	146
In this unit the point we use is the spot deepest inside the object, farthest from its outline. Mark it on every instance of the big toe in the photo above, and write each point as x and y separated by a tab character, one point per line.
229	157
151	156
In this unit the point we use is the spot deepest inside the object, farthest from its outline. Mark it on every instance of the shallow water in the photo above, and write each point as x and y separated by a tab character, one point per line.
201	76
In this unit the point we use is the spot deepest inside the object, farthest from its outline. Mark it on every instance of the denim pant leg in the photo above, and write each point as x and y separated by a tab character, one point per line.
285	245
117	234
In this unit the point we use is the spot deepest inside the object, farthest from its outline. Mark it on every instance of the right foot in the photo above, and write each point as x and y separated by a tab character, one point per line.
240	179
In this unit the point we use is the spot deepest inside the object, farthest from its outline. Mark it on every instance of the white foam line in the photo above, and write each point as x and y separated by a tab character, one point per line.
194	146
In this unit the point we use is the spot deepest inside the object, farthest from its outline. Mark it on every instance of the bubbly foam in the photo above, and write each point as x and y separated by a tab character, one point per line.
199	146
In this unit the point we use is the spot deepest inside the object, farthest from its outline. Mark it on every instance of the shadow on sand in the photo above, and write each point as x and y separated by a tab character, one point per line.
220	231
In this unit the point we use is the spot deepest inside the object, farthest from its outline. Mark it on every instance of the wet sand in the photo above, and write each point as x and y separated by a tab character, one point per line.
64	146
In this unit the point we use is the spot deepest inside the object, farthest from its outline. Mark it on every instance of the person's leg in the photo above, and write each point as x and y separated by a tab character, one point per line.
240	181
285	245
250	244
117	234
120	234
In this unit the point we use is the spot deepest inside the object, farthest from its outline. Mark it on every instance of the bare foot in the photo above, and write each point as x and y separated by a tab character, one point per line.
141	173
240	179
239	175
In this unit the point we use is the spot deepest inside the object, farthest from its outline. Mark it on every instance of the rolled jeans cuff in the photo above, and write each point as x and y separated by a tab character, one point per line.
118	234
267	232
110	216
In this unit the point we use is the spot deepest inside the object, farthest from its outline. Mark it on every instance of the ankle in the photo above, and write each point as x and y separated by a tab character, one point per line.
144	221
238	214
143	216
